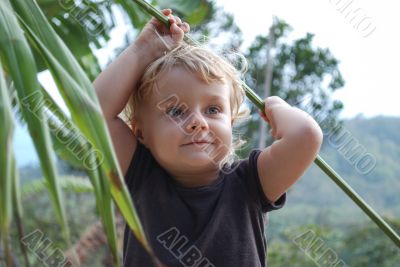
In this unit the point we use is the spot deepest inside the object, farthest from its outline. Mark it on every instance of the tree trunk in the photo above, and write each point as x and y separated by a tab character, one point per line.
267	86
91	241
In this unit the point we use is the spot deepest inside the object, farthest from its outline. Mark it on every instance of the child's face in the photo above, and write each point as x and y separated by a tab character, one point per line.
187	123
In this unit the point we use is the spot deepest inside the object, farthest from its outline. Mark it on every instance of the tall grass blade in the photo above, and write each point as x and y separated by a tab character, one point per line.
73	146
106	209
5	159
30	13
17	207
16	55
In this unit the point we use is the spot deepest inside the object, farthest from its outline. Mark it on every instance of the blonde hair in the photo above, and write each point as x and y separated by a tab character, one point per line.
207	65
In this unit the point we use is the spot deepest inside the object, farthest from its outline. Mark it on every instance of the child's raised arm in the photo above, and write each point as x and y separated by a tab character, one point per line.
298	141
117	82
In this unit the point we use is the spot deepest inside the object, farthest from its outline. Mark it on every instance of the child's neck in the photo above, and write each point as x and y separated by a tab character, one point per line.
191	179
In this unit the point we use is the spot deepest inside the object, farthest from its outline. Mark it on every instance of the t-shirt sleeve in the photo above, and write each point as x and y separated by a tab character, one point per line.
249	174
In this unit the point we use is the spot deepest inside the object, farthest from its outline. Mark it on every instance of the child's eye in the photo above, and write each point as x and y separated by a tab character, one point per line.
213	110
174	112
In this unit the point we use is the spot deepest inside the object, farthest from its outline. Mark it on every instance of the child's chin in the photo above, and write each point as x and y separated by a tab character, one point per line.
200	160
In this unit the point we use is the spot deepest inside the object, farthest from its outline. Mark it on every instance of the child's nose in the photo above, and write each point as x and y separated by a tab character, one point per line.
196	122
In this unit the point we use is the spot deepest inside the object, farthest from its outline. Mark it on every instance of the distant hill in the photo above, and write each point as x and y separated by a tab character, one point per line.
366	153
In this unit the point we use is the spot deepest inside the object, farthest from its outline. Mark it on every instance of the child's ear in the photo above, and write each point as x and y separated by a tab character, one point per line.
139	135
137	131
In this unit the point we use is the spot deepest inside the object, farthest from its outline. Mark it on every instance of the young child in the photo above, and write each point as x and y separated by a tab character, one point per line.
196	209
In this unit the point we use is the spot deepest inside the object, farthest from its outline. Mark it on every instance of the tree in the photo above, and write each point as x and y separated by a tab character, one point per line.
302	75
366	246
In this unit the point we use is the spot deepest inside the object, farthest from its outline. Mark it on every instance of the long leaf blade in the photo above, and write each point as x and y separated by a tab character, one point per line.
5	158
88	118
17	56
30	12
73	146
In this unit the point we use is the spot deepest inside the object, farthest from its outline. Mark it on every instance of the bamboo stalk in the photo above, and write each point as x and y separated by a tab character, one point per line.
349	191
256	100
162	18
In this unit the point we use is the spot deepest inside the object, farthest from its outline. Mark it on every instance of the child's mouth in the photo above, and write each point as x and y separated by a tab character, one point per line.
201	142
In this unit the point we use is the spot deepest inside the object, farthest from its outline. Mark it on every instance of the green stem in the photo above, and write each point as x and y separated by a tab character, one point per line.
7	250
318	160
358	200
16	200
162	18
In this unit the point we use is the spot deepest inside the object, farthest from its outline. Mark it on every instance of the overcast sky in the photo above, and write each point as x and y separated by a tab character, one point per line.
367	47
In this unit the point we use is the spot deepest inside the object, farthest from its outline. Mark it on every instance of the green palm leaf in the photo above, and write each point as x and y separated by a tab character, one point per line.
5	158
17	57
17	207
73	146
67	183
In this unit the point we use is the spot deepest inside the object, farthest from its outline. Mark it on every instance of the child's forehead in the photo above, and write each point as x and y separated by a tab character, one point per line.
179	78
189	85
177	72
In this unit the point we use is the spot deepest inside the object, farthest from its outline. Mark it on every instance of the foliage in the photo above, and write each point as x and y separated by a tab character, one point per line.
302	74
318	203
38	215
315	245
379	184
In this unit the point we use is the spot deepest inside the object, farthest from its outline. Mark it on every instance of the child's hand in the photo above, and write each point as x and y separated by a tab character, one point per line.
299	139
156	39
282	117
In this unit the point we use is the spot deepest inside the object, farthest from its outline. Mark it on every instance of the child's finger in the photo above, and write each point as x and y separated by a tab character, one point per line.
176	33
158	24
178	20
262	114
185	27
167	11
171	20
272	131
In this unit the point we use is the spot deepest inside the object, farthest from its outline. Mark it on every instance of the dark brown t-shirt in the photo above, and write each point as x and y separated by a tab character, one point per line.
221	224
